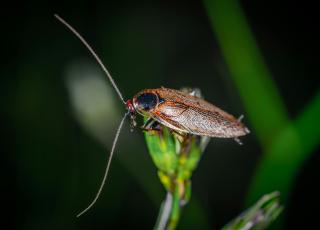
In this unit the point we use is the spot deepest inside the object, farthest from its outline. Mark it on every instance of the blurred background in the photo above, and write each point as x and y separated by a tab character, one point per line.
59	113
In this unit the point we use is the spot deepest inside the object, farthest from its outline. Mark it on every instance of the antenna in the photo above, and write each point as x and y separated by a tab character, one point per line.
107	168
93	54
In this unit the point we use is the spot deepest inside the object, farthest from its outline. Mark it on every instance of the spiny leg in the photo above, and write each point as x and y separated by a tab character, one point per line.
238	140
240	118
192	91
151	125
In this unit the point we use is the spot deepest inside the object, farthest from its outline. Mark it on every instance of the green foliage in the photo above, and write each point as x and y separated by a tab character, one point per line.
176	156
162	150
286	143
259	216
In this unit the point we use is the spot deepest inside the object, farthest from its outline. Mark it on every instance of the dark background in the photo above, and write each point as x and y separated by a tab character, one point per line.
52	160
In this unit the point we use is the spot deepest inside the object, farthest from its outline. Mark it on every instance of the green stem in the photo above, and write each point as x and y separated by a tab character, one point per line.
176	157
175	211
164	213
170	212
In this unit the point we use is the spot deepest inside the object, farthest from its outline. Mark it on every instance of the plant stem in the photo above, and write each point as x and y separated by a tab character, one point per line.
176	210
164	213
170	211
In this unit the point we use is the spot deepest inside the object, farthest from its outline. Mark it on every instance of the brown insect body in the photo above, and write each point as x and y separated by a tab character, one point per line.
186	113
175	109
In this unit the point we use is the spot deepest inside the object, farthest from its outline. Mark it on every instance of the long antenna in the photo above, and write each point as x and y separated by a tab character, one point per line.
93	54
107	168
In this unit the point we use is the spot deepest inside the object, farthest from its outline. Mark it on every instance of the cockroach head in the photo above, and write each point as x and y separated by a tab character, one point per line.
132	112
130	107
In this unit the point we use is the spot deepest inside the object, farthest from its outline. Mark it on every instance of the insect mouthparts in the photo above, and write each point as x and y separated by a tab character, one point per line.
130	106
132	113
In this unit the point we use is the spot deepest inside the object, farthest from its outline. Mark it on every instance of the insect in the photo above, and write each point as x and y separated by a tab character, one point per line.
185	113
180	111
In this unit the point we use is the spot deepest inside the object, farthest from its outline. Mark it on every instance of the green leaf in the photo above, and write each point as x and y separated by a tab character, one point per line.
259	216
162	149
176	156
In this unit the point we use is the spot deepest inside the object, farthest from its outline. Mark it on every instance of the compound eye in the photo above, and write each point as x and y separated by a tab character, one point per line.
147	101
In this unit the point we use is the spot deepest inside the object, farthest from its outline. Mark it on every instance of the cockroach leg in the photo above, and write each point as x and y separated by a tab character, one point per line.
133	122
192	91
240	118
151	125
150	129
196	92
238	141
180	136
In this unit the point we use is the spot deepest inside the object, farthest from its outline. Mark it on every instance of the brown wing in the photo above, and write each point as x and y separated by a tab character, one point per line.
186	113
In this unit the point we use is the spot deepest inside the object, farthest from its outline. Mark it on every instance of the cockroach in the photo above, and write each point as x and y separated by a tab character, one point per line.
179	111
